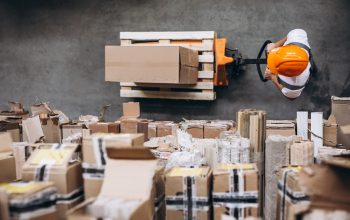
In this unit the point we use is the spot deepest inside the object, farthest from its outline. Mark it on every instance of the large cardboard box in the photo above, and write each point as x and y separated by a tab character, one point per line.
124	187
19	200
341	112
290	194
280	127
187	193
57	164
235	190
151	64
94	157
105	127
328	184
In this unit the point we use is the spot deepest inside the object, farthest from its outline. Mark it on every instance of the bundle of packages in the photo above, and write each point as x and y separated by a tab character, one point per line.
233	150
94	159
235	190
125	193
290	195
57	163
187	192
28	200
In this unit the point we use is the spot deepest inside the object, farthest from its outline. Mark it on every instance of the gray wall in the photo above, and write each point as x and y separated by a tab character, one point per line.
54	50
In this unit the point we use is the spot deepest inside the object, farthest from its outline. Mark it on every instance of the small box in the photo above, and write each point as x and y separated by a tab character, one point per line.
168	64
74	128
330	132
54	164
105	127
13	128
235	190
213	130
187	193
280	127
51	128
19	200
166	128
152	129
194	127
302	153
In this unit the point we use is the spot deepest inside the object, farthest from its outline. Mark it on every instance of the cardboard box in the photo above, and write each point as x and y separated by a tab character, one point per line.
290	193
21	152
194	127
327	184
238	198
152	129
94	157
124	185
130	123
168	64
19	200
55	164
105	127
166	128
213	130
302	153
74	128
187	193
51	128
341	111
7	159
280	127
13	128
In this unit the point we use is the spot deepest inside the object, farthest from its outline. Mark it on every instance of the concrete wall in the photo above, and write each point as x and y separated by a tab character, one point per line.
53	50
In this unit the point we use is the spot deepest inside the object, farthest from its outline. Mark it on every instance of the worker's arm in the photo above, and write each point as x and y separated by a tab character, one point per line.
279	43
273	78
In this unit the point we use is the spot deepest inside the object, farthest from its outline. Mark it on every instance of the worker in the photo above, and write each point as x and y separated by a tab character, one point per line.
289	63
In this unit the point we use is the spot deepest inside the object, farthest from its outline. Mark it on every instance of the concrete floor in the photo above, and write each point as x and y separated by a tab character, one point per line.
53	50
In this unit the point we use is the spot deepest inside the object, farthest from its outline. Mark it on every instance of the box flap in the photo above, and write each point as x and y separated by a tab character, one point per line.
129	174
131	109
5	142
32	129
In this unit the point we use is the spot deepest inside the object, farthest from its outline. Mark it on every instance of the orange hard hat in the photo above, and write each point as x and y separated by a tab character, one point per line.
289	60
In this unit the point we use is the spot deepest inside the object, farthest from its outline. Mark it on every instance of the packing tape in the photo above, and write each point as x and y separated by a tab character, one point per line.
42	172
189	190
236	180
92	171
237	210
248	197
99	148
70	197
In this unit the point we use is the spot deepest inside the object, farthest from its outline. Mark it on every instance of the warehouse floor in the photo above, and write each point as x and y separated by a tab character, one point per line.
56	48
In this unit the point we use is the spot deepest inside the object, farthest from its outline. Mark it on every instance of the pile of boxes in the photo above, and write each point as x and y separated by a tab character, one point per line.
110	171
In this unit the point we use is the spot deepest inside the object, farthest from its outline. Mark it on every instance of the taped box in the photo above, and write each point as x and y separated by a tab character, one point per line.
13	128
94	156
290	194
168	64
187	193
235	190
105	127
7	159
125	193
130	122
57	163
280	127
28	200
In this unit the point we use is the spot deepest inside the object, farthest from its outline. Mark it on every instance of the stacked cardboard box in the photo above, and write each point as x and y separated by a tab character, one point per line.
57	163
187	192
28	200
7	160
235	190
280	127
125	193
194	127
213	129
94	157
105	127
290	194
130	122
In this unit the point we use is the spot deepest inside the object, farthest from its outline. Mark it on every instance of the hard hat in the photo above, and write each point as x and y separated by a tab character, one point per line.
289	60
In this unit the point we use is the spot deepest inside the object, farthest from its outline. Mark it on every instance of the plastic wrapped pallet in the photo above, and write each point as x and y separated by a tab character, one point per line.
277	156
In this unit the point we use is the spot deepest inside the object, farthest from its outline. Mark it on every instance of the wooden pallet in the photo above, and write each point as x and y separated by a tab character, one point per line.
202	41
